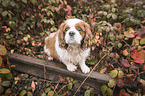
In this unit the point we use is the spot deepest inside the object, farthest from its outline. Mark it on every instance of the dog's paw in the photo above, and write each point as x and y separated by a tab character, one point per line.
85	69
71	67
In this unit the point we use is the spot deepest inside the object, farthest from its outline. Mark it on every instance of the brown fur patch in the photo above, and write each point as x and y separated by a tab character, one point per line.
86	34
50	44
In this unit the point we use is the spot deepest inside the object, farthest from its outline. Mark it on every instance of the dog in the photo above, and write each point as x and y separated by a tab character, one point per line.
71	44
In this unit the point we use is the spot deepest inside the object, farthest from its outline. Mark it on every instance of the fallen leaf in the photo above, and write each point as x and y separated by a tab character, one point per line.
141	31
121	92
103	70
113	73
125	52
12	51
142	41
120	83
3	50
141	54
138	60
125	63
134	54
33	86
142	81
144	67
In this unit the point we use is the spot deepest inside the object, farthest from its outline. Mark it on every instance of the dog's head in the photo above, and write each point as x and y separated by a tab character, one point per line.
75	32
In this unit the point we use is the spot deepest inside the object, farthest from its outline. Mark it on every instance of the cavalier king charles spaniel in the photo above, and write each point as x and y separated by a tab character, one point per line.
70	44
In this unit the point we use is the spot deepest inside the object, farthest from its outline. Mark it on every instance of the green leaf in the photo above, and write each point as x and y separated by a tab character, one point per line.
112	1
4	13
12	3
1	89
34	2
6	83
70	85
107	29
9	76
75	82
109	92
105	13
25	1
43	94
1	10
113	73
91	90
111	83
87	93
136	41
119	45
29	93
114	16
120	74
104	88
107	7
51	93
1	60
142	41
23	92
4	71
109	15
113	9
47	90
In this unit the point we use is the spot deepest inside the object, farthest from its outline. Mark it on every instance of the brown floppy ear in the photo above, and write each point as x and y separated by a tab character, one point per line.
87	38
61	35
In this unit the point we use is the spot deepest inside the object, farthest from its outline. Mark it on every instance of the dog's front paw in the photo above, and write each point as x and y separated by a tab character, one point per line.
85	69
71	67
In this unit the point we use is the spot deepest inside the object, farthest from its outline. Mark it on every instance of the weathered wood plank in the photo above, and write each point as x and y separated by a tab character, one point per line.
54	70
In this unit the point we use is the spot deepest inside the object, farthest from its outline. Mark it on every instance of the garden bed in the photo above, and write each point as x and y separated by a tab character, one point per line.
53	70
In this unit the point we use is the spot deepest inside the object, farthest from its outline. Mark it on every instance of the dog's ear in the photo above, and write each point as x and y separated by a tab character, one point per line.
87	38
61	36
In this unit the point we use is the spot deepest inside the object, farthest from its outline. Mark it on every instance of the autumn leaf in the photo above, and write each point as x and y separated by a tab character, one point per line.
33	86
138	60
143	67
141	31
125	52
124	62
141	54
120	83
134	54
3	50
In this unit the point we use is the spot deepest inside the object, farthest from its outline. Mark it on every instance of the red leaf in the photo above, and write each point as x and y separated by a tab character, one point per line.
141	31
134	54
125	63
138	60
144	67
120	83
141	54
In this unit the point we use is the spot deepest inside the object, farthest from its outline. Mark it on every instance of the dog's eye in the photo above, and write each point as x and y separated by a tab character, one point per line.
66	29
79	29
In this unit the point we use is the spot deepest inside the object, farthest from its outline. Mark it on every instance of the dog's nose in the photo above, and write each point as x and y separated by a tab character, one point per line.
71	33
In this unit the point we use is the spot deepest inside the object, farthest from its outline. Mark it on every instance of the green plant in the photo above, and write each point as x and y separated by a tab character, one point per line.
5	74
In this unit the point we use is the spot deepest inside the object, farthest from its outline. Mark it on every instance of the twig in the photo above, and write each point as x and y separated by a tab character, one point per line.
56	94
126	44
91	72
62	88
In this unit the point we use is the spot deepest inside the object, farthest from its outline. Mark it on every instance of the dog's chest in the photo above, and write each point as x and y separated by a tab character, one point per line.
74	55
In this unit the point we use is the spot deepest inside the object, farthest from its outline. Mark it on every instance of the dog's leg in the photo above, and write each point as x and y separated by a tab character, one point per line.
70	66
85	69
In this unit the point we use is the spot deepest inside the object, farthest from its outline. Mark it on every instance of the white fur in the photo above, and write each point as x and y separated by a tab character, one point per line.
77	37
73	57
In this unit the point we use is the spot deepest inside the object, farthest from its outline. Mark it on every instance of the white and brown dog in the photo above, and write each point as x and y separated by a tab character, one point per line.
70	44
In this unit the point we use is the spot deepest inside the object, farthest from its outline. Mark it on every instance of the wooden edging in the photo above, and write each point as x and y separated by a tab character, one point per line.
54	70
